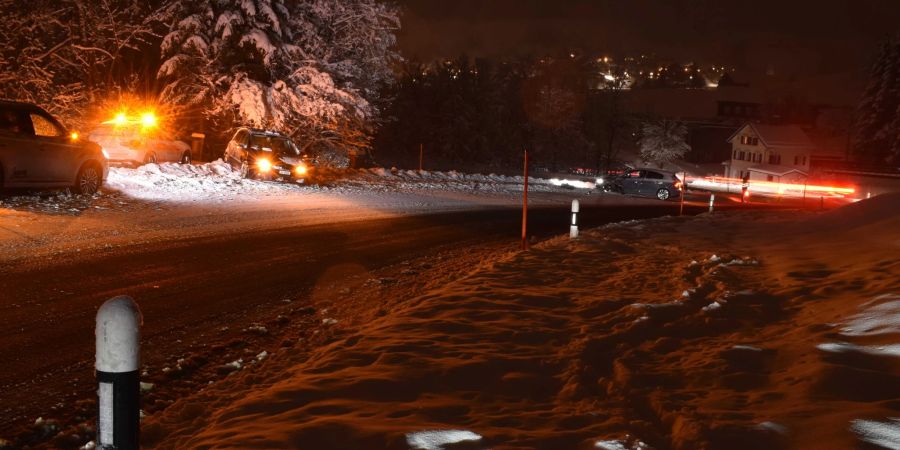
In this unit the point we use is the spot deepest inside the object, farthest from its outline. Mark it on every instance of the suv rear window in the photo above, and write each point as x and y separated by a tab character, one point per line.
44	127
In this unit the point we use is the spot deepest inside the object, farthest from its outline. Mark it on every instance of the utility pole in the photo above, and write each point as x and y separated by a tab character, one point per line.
421	155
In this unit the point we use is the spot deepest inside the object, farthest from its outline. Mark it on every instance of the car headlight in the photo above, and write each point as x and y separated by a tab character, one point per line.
105	154
300	170
600	180
264	165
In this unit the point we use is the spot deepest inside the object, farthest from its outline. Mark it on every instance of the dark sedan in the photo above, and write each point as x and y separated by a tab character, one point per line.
646	183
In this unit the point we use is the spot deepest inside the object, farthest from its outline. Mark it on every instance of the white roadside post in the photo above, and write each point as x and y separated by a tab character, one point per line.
573	229
118	335
712	201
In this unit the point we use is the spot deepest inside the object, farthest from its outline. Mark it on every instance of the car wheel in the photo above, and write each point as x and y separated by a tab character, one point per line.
662	194
88	180
150	158
186	158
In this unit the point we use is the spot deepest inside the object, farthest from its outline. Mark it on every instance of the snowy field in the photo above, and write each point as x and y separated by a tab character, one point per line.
682	333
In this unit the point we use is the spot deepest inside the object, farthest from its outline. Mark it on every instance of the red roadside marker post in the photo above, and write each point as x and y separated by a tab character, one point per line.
525	207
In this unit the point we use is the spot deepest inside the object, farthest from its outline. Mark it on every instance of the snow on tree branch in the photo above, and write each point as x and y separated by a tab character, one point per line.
663	141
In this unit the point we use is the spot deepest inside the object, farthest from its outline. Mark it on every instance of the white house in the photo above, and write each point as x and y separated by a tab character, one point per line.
769	153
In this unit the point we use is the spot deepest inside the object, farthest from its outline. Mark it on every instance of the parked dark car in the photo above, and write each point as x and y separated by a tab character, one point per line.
267	155
36	151
646	183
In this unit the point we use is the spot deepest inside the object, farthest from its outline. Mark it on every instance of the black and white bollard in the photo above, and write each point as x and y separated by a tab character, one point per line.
573	229
712	201
118	336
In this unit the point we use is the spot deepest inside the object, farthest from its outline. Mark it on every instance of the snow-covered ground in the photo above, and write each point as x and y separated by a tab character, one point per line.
216	181
685	333
154	202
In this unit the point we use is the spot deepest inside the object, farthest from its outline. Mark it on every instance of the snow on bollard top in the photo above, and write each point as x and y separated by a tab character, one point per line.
118	335
575	205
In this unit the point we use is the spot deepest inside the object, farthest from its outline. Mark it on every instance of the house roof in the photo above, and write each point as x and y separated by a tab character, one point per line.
778	135
774	169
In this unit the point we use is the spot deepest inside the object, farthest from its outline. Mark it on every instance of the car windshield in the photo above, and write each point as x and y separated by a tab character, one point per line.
278	145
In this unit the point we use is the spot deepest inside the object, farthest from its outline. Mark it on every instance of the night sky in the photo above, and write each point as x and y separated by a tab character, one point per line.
795	39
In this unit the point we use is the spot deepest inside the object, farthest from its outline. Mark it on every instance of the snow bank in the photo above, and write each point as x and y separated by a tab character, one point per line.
883	434
187	182
879	317
217	181
438	439
865	212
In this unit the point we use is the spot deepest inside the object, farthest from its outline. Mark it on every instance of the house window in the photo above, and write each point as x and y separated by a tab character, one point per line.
747	140
741	155
774	159
770	178
734	156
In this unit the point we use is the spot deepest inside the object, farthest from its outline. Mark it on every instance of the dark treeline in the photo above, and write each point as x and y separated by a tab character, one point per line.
480	114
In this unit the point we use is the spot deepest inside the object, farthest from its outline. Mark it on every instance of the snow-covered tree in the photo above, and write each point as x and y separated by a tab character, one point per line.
69	55
353	40
306	68
663	141
878	115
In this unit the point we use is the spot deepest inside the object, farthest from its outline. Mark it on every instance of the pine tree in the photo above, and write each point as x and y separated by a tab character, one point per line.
878	115
308	69
663	141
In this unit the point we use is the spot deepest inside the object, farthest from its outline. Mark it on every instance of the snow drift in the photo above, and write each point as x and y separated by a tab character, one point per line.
604	342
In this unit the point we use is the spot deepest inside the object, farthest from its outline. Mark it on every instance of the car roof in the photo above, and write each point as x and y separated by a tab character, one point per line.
664	172
20	105
260	131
